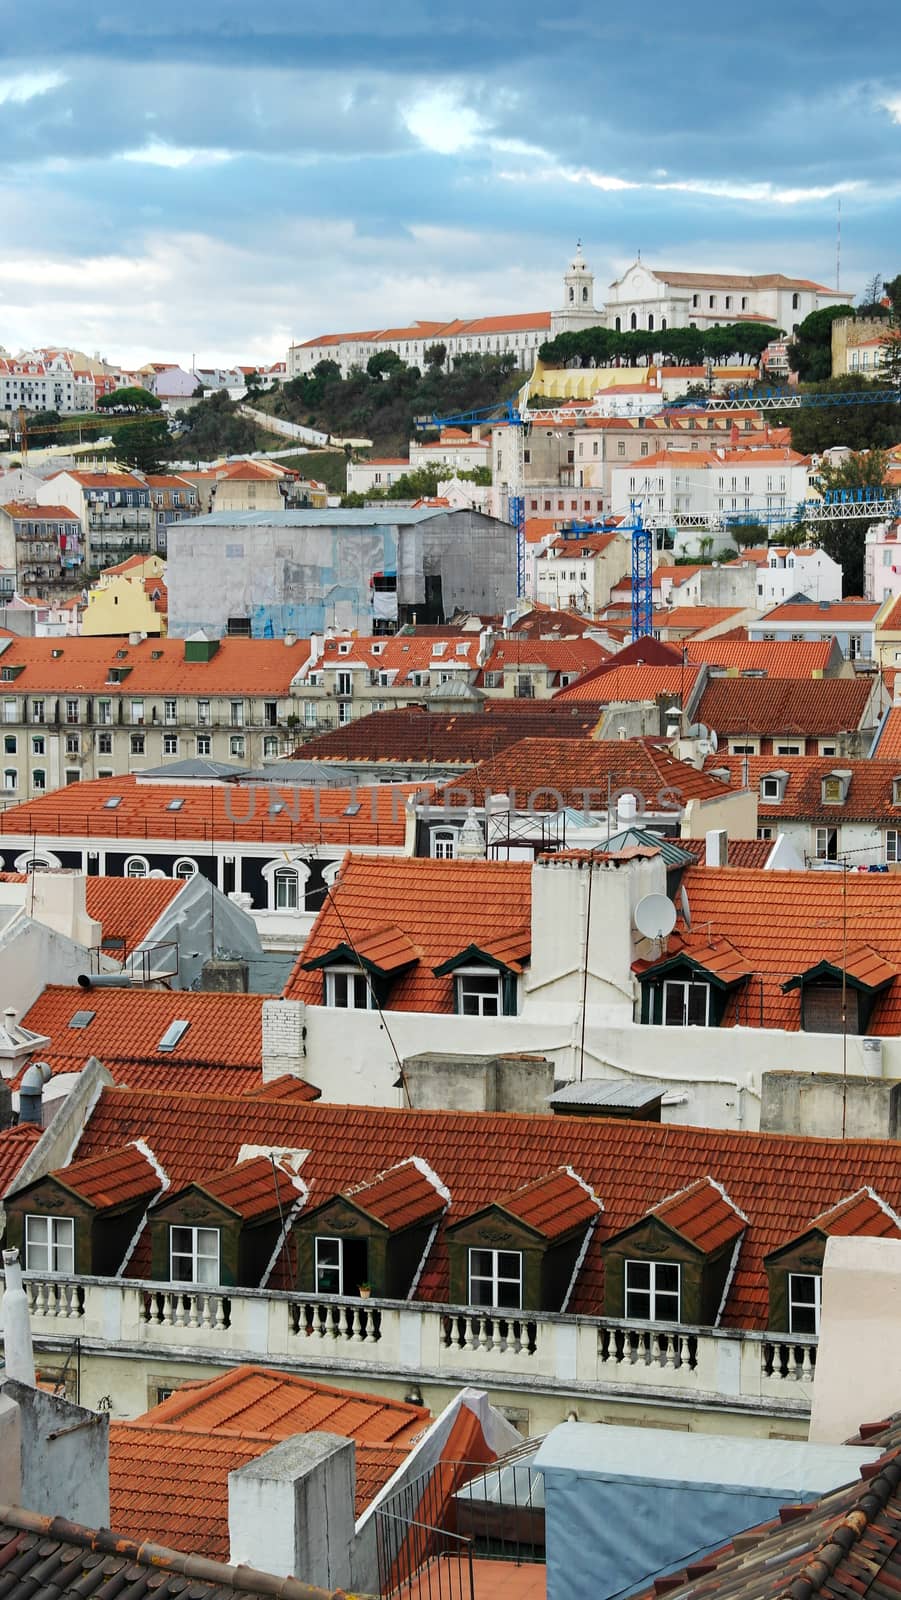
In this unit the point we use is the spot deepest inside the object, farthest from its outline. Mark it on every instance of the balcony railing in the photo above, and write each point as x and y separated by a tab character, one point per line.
544	1351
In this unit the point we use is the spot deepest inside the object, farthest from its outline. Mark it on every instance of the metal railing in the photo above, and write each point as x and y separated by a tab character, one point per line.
415	1559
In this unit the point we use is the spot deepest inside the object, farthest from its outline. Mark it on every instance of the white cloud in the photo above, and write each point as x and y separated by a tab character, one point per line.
717	188
28	85
893	107
158	153
441	122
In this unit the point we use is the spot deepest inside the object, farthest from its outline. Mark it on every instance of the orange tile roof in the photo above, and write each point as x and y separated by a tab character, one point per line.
131	563
861	1214
117	1178
781	1182
703	1214
784	924
891	622
401	654
416	735
694	618
442	907
401	1196
574	544
607	684
20	511
869	796
156	667
778	658
128	1024
816	615
810	707
286	1087
16	1143
252	1188
889	745
554	1204
545	774
212	811
523	321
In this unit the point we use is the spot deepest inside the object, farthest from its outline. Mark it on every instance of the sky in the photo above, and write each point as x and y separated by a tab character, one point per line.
215	180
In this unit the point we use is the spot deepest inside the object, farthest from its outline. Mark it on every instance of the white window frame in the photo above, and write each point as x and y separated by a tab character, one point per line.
685	984
806	1305
185	868
651	1289
891	844
170	739
55	1246
203	744
771	789
336	983
439	839
322	1265
194	1253
493	1276
136	867
821	844
462	986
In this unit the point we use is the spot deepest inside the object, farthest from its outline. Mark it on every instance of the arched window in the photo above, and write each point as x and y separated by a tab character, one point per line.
286	883
137	867
618	325
585	295
633	321
663	324
650	322
30	863
443	844
185	868
572	294
10	778
796	301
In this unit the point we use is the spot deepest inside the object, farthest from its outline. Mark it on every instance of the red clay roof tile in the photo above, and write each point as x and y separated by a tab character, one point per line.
403	1195
703	1214
16	1144
811	707
119	1177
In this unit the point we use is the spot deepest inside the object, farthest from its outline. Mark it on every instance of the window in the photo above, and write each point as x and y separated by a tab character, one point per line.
137	744
104	711
495	1279
653	1291
170	744
236	713
170	711
203	713
9	711
826	844
185	868
73	744
348	990
137	711
833	791
105	744
49	1244
788	749
478	993
71	710
444	844
344	683
204	744
855	646
194	1255
270	745
136	867
270	713
891	845
771	789
11	781
686	1004
38	779
236	744
342	1265
285	889
804	1291
37	710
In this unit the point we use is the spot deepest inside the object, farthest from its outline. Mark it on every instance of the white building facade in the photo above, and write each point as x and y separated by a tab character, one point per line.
651	299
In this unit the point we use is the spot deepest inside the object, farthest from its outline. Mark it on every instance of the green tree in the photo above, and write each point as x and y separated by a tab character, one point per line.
861	427
143	443
384	364
844	540
132	398
436	355
810	353
253	383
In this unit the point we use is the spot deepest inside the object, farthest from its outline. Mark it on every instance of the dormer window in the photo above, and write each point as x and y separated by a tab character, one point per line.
194	1255
495	1279
49	1244
478	992
835	788
896	791
348	990
653	1291
804	1299
772	787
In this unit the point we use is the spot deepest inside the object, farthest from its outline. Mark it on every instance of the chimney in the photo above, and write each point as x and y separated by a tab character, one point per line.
58	900
291	1511
290	638
284	1039
18	1355
31	1092
716	848
626	810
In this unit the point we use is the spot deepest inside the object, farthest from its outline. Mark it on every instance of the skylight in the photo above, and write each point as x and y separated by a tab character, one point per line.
353	809
175	805
172	1035
81	1019
112	802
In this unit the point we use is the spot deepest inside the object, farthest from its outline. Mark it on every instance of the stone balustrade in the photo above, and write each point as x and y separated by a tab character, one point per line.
328	1335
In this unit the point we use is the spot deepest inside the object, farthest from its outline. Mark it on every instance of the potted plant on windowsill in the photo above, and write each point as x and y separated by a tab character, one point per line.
364	1290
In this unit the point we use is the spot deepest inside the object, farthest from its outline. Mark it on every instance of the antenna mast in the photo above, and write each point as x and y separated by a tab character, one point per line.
838	246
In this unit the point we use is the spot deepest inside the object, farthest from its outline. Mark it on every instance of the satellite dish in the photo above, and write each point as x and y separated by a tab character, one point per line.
684	907
655	916
713	741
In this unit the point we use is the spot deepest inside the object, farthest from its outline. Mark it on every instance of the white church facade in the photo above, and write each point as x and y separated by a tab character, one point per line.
649	299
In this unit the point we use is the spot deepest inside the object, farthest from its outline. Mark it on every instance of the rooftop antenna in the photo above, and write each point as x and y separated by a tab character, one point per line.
838	246
655	918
